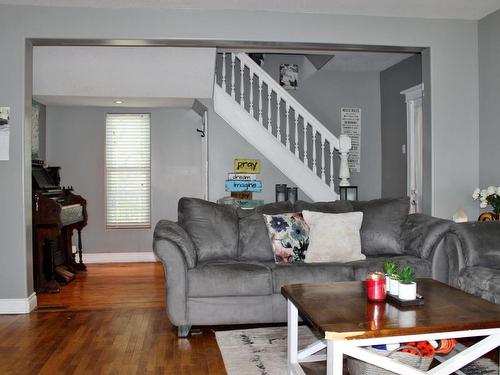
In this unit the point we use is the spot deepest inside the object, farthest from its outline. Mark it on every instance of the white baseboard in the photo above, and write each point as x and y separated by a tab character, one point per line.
147	256
18	305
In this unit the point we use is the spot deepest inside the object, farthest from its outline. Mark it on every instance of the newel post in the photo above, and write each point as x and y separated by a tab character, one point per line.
344	147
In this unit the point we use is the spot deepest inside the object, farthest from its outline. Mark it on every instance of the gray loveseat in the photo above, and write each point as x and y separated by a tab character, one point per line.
219	262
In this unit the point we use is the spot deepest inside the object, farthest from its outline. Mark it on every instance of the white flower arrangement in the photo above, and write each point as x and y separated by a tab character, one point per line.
489	196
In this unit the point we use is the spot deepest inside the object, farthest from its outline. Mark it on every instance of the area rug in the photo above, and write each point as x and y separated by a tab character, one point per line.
262	351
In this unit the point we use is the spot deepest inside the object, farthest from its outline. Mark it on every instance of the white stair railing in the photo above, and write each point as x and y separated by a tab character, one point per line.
305	137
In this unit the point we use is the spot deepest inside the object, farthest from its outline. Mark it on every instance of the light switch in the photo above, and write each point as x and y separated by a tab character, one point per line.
403	149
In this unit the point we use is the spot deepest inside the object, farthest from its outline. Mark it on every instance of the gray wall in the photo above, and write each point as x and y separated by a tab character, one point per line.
393	80
75	142
489	100
323	93
453	45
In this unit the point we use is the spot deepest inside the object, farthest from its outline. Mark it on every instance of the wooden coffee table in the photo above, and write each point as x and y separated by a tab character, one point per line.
347	322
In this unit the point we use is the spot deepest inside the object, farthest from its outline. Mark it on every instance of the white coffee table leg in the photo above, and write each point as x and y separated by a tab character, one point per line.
334	358
293	340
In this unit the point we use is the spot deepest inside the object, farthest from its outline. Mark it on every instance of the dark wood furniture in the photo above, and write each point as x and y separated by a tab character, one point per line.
347	322
57	212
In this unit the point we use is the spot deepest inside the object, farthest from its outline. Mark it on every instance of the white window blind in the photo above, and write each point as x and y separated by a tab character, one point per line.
128	171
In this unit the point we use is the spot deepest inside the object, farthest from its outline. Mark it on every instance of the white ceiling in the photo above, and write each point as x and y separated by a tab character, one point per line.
453	9
99	101
344	61
139	76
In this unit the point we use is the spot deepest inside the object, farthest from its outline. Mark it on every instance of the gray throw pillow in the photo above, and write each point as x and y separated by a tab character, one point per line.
254	241
333	207
212	227
382	224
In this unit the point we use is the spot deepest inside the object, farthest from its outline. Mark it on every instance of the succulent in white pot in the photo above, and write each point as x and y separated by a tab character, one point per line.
407	284
391	277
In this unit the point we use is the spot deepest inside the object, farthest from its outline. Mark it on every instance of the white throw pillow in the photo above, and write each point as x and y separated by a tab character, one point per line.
333	237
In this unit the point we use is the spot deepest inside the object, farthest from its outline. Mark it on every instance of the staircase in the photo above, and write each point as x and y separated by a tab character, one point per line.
279	127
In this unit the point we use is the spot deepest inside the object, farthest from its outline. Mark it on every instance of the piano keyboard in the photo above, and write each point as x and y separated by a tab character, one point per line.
72	213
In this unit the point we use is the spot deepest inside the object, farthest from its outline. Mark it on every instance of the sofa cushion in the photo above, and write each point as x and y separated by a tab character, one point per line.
423	267
297	273
212	227
333	207
382	223
289	235
254	241
231	278
333	237
481	281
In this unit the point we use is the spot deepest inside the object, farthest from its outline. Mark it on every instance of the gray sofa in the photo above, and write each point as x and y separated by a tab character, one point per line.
220	269
474	258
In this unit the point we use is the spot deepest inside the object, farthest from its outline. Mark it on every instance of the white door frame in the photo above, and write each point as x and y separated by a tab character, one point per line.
414	145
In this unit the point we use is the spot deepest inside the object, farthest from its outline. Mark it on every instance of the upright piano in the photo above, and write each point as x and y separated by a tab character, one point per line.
57	212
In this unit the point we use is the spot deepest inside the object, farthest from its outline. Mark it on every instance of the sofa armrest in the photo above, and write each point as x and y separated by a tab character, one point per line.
422	233
448	260
173	232
175	267
480	243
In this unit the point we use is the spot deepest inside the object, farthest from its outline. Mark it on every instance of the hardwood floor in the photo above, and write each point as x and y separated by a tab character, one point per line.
111	320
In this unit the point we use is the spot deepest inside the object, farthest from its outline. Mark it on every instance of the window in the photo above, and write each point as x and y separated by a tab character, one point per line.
128	171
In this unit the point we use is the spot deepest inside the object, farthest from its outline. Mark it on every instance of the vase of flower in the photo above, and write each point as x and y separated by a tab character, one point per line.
488	197
407	285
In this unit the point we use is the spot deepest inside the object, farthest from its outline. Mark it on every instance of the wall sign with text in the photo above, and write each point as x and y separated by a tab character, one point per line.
255	186
350	122
246	166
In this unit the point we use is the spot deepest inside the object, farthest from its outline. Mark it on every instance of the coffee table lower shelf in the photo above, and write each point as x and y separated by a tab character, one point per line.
337	348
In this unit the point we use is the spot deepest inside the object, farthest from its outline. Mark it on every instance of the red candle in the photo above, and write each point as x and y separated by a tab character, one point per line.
375	286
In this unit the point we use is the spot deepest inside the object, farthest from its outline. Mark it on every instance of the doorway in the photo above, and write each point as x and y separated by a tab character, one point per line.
414	130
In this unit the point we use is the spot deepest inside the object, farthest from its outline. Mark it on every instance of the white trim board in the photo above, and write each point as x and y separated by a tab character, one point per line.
146	256
18	305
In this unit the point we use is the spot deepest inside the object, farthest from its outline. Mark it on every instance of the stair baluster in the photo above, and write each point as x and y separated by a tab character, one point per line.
224	71
242	84
306	162
323	159
315	169
296	116
287	115
251	93
278	118
260	99
233	58
331	164
269	124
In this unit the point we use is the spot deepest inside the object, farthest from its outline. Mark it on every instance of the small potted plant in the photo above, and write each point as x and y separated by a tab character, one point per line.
407	285
392	279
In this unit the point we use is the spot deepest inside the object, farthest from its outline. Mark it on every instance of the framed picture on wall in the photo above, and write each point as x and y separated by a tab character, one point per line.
289	76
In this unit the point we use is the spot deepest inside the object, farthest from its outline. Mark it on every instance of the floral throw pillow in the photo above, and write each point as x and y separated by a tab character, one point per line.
289	235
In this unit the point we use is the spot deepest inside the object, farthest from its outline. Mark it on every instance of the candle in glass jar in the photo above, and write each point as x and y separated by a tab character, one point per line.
375	286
